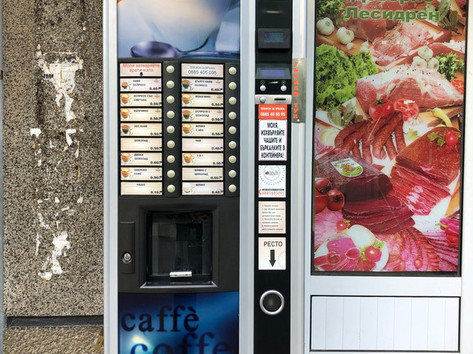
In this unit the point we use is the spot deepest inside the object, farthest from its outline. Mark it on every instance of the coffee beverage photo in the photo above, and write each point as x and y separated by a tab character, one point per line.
186	128
186	99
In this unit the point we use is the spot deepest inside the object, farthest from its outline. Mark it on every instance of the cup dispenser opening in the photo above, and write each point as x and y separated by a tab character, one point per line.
180	249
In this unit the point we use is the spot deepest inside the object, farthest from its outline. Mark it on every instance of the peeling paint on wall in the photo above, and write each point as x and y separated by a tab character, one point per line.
51	265
54	212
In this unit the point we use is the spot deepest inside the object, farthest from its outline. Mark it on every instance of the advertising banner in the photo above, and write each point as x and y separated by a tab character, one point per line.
388	135
178	323
178	29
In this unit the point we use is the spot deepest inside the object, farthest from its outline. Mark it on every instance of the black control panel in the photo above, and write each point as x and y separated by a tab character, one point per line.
273	108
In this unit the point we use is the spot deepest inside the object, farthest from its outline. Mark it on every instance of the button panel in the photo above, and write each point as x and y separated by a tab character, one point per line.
189	113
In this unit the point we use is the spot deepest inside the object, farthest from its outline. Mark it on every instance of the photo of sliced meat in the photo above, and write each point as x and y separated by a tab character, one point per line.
410	250
424	169
398	42
380	216
342	255
427	87
457	48
369	184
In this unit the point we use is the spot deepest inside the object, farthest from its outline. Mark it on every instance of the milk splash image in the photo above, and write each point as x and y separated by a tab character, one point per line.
53	154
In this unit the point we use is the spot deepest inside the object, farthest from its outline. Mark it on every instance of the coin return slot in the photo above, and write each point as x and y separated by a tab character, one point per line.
179	249
280	99
272	302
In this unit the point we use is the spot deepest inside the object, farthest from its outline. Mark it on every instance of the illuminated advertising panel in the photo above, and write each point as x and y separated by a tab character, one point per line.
389	113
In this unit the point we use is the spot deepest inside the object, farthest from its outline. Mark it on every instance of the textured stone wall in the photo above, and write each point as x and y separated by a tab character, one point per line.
53	158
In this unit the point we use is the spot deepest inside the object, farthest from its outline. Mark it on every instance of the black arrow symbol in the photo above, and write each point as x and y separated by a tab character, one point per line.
272	257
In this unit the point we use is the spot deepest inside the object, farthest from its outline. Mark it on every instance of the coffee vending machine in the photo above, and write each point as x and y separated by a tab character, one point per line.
198	108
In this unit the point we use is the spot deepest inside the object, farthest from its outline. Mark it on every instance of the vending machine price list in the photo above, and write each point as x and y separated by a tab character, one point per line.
140	129
179	128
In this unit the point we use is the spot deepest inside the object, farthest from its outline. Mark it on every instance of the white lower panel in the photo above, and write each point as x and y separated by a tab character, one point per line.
351	323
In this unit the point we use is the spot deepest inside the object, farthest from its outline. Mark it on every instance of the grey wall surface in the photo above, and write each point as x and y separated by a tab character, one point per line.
53	171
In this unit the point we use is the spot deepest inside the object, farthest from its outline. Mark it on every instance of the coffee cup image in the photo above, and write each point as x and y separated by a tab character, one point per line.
125	172
125	156
124	85
186	114
186	99
186	84
187	188
125	113
186	128
125	98
126	129
187	157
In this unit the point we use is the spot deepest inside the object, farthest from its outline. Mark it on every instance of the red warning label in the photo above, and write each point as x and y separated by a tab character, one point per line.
272	111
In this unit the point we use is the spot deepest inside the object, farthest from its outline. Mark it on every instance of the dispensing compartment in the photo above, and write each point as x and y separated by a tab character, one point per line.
179	248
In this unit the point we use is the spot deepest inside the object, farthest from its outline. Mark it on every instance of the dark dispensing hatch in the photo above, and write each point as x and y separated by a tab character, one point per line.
179	248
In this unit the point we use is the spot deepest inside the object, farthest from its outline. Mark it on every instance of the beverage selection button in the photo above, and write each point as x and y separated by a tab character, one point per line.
232	174
232	188
171	174
232	70
170	69
170	99
232	130
170	84
170	129
171	159
232	144
232	115
171	144
171	188
170	114
232	100
232	85
232	159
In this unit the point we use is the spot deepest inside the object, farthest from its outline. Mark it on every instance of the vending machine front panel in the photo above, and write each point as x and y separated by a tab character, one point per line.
178	158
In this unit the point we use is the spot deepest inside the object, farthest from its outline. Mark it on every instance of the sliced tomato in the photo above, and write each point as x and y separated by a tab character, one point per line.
408	108
459	85
380	108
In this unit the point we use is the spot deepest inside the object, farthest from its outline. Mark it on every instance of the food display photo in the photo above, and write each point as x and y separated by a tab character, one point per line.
388	135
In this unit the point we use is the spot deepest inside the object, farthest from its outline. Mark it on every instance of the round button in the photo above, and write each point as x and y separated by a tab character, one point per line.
171	188
127	257
170	129
262	99
232	188
283	88
232	100
170	99
232	85
262	88
232	70
232	159
271	302
232	144
170	69
171	144
232	115
232	130
232	173
171	174
170	114
171	159
170	84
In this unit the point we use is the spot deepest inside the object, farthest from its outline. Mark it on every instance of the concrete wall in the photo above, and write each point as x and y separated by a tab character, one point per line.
52	149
